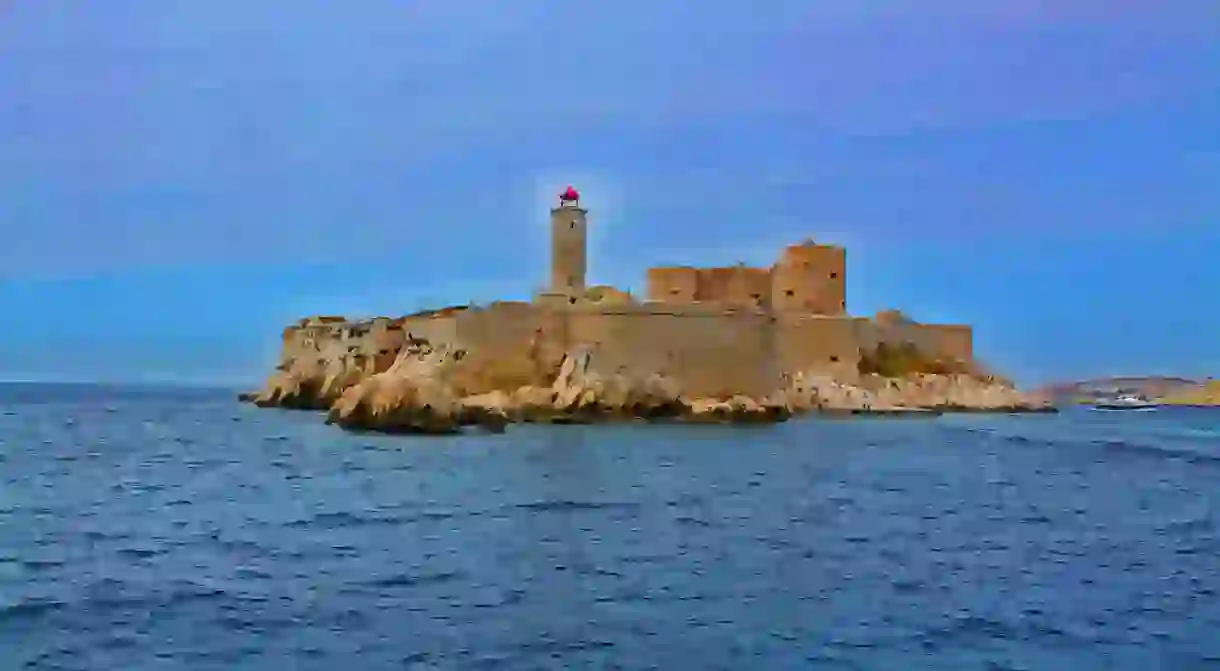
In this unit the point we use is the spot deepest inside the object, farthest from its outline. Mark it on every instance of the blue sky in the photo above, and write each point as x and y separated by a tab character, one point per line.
179	179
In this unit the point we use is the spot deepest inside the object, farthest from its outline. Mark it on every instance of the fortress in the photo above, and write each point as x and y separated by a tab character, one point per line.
720	331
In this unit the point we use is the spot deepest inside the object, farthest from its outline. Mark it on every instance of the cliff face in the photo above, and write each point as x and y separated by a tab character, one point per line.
439	372
322	357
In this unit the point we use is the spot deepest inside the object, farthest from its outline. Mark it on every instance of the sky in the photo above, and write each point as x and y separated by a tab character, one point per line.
180	179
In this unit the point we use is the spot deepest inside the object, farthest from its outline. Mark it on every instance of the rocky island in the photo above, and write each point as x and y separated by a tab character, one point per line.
733	344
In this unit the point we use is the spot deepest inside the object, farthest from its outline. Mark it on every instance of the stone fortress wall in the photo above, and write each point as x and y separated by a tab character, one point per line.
807	278
719	330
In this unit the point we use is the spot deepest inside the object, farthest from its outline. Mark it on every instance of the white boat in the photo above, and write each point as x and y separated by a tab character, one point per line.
1125	402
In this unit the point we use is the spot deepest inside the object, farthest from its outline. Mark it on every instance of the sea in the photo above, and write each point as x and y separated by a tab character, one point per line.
163	528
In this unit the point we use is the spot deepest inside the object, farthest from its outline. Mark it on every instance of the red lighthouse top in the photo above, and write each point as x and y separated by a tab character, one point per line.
569	195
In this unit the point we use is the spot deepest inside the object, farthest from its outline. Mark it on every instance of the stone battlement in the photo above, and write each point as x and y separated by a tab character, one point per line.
807	277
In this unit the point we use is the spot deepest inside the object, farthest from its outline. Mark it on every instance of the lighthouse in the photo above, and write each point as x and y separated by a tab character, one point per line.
569	246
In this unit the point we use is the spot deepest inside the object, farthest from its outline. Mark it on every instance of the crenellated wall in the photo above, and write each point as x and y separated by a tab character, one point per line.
808	278
736	286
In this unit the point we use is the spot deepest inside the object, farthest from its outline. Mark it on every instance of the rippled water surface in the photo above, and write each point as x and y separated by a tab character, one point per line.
149	529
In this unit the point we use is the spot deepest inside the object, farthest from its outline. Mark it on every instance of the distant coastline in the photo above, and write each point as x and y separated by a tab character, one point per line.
1164	390
152	385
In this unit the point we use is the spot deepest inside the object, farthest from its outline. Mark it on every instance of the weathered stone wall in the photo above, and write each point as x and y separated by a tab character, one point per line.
716	285
817	343
436	328
673	284
737	286
509	329
713	352
811	278
948	341
741	286
508	345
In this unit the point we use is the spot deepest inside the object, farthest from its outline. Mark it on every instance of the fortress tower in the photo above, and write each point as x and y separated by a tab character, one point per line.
569	240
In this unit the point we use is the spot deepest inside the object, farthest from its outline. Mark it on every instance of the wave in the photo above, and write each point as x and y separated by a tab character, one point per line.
107	595
1121	447
415	580
575	506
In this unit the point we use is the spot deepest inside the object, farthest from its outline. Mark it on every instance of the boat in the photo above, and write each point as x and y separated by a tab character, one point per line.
1125	402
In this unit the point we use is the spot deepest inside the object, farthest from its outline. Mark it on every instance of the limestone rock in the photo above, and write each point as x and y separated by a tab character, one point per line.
490	410
321	358
824	393
309	383
535	405
963	393
938	393
739	410
584	387
397	404
411	396
296	388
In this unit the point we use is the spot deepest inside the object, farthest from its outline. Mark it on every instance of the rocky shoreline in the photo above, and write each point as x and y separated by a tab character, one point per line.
439	390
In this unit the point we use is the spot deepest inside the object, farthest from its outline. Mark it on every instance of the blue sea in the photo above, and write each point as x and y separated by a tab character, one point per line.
147	528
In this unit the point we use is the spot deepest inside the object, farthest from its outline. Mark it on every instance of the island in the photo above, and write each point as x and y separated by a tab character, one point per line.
1205	394
727	344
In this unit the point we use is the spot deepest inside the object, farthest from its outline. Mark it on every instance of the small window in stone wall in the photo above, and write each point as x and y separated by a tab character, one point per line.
789	293
834	359
833	275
